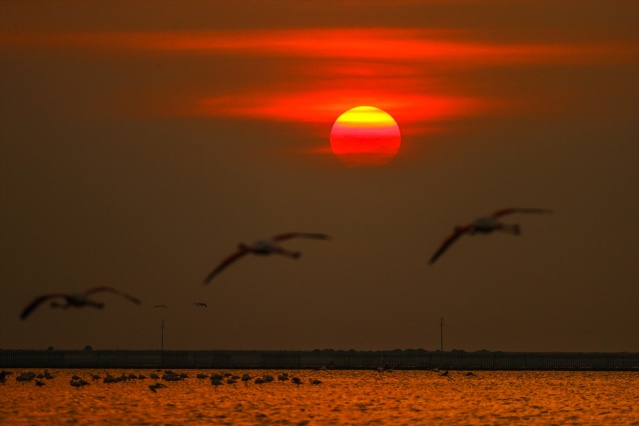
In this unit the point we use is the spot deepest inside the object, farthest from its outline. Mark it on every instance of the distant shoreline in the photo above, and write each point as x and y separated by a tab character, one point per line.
410	359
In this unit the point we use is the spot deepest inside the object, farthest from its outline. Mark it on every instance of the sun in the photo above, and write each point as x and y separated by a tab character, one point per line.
365	136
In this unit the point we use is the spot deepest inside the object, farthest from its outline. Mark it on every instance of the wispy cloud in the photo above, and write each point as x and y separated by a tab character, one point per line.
336	69
364	43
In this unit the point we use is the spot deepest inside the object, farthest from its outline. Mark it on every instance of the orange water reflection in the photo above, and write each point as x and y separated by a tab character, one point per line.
344	397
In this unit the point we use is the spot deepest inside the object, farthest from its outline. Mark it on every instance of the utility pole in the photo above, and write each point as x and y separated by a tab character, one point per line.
162	338
441	333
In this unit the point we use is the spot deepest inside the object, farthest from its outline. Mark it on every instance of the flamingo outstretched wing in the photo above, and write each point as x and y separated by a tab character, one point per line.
458	232
289	235
511	210
37	301
226	262
114	291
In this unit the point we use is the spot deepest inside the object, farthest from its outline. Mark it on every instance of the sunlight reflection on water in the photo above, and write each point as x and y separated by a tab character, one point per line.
344	397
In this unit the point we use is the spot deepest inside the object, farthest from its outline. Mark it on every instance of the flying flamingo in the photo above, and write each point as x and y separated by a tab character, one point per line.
75	300
485	225
264	247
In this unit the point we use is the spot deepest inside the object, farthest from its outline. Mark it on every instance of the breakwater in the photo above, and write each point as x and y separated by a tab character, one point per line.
335	359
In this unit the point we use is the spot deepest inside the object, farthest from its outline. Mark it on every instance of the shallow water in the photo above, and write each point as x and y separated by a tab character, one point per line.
345	397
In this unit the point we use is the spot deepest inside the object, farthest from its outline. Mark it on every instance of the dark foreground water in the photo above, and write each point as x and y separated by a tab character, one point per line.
345	397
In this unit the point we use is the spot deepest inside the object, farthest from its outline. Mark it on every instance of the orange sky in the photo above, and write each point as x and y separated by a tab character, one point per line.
137	152
390	67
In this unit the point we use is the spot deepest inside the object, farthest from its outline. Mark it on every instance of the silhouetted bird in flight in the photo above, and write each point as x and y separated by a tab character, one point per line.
75	300
199	304
265	247
160	306
485	225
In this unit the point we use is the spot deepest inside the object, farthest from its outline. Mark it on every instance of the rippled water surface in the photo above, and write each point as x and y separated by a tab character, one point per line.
344	397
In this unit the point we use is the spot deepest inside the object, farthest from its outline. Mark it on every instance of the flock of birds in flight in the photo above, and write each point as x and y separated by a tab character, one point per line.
270	246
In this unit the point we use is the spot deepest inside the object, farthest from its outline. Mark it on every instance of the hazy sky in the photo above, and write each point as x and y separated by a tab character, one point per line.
141	141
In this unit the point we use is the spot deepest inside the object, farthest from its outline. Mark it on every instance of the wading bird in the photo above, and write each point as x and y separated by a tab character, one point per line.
109	379
265	247
485	225
216	382
25	377
245	378
268	378
157	386
75	300
78	383
4	374
171	377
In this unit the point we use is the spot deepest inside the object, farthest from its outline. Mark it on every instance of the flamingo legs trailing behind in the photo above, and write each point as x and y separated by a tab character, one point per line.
485	225
264	247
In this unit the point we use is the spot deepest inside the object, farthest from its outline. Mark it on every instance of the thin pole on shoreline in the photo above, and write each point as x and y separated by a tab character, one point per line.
441	333
162	337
